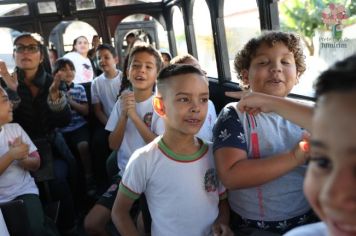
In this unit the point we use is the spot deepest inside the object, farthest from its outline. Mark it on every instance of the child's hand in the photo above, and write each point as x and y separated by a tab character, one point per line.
54	88
301	151
18	150
128	103
252	102
221	230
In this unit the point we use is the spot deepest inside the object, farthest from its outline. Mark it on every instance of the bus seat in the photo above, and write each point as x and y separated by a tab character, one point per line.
15	217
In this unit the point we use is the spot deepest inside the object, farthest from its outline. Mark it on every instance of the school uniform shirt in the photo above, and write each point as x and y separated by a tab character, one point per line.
84	72
15	181
182	191
106	91
316	229
262	136
206	131
132	139
78	94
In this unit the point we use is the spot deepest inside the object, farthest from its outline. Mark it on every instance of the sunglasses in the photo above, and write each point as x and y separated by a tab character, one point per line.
32	48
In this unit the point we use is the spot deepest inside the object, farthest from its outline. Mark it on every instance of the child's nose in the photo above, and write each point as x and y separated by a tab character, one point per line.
275	67
195	107
339	191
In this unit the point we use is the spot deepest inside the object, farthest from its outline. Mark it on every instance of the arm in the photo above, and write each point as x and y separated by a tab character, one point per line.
235	170
32	162
10	80
99	113
142	128
221	224
17	151
293	111
116	136
82	108
120	215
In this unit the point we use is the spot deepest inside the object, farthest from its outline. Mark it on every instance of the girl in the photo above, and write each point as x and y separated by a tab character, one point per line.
132	124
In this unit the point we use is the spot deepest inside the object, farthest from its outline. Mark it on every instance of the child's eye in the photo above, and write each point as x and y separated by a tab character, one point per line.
183	99
321	162
286	62
204	100
262	62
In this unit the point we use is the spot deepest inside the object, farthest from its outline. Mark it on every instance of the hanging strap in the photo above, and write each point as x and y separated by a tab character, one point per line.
256	155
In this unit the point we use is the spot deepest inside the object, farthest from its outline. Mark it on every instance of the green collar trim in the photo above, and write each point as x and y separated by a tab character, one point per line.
183	158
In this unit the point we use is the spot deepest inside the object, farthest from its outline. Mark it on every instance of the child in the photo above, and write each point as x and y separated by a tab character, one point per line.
132	124
104	90
19	156
176	171
206	131
76	133
329	184
258	158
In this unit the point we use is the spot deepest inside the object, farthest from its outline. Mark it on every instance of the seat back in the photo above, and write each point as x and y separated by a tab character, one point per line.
15	217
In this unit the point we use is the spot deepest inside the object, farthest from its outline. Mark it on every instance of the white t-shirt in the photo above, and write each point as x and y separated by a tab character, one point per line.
206	131
316	229
105	91
15	181
132	139
84	72
182	191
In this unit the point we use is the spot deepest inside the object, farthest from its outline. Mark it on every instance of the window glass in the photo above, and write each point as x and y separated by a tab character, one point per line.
140	33
85	4
204	38
110	3
242	23
46	7
74	30
179	33
7	35
17	9
327	30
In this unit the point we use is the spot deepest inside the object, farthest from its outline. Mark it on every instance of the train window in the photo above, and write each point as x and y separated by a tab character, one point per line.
16	9
204	37
110	3
46	7
74	30
85	4
328	32
241	24
6	49
179	33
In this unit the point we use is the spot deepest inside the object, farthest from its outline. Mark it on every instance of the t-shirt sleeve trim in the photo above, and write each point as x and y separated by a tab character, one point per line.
128	192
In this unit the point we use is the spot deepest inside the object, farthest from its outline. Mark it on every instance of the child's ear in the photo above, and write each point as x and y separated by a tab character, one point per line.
158	105
244	75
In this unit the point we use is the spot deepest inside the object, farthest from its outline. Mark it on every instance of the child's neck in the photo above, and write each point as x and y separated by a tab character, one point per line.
180	143
142	95
111	73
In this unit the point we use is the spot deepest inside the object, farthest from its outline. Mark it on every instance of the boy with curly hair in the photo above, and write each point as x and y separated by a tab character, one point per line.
257	156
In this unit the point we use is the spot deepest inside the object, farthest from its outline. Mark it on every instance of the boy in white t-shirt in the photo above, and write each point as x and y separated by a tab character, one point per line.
19	156
176	171
104	93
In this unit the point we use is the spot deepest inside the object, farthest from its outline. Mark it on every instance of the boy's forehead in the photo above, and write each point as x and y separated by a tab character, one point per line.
184	80
266	47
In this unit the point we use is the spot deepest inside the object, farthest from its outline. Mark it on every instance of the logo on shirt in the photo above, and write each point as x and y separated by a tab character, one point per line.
147	119
210	180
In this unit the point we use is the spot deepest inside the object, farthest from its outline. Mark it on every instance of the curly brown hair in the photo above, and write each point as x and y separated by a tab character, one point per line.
244	57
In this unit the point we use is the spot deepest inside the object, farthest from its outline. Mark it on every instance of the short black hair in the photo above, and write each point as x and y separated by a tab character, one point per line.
62	62
341	77
108	47
174	70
